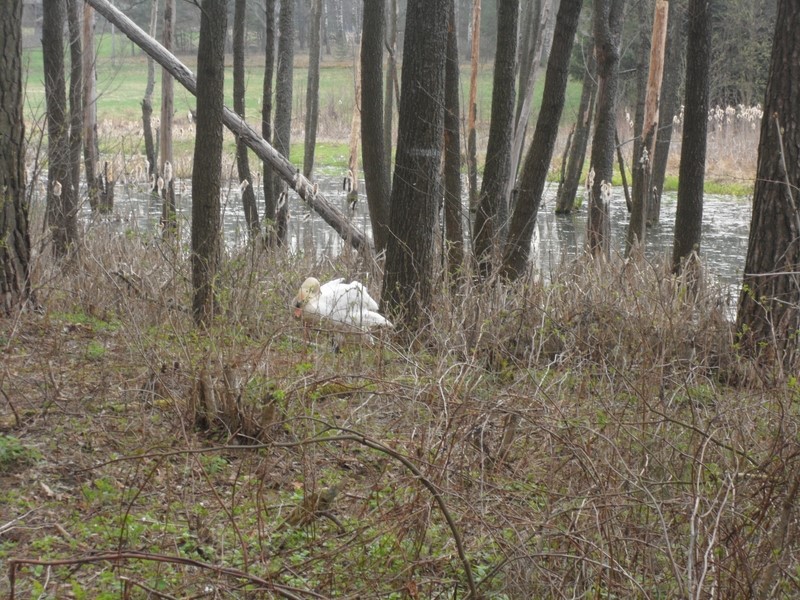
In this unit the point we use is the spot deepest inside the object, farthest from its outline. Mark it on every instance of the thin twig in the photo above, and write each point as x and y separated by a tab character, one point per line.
285	591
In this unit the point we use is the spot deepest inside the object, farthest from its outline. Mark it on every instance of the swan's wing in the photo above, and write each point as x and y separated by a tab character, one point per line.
358	294
349	303
371	318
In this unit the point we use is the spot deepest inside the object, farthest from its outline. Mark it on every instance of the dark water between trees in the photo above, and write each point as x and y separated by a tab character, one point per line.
726	223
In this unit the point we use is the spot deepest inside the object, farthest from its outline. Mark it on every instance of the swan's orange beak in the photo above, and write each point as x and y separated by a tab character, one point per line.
298	313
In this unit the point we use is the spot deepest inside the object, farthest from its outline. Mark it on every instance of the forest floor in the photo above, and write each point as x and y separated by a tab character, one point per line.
598	435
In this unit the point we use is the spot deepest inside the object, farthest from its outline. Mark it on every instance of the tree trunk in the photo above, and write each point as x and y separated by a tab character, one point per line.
529	56
208	158
266	98
75	93
670	99
312	88
91	148
147	103
607	29
242	163
279	163
537	160
642	52
168	213
691	178
373	150
391	87
62	206
642	194
355	133
408	274
769	307
491	217
567	189
283	120
472	109
15	251
453	209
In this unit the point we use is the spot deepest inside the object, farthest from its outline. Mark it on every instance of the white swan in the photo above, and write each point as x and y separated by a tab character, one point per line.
344	303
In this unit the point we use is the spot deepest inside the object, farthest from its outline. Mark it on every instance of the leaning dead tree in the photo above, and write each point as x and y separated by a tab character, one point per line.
306	189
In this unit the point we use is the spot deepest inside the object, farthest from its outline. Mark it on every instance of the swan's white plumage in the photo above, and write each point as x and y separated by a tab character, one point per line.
344	303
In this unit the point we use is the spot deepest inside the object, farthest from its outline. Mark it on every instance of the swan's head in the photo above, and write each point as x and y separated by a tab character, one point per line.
308	290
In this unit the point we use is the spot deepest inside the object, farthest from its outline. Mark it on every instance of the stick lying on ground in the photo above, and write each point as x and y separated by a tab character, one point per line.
285	169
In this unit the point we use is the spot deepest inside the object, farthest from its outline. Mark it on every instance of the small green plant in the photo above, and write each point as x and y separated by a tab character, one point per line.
95	350
14	452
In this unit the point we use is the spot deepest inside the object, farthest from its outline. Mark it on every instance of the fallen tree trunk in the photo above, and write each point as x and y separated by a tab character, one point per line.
285	169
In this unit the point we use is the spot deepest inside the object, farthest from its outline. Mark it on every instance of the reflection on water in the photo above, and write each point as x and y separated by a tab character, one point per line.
723	247
726	224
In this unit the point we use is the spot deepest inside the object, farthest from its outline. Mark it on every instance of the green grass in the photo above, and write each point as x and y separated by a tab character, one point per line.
122	81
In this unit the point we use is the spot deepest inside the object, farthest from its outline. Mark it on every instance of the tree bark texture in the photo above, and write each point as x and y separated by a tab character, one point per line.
537	160
491	217
62	206
391	88
355	133
769	307
670	99
168	213
267	93
643	195
247	190
279	163
75	93
453	209
408	273
208	158
568	188
15	251
312	87
529	58
373	150
147	103
91	148
642	53
472	108
283	120
607	27
689	211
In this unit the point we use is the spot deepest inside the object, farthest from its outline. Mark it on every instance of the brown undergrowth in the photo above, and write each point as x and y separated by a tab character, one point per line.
572	438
